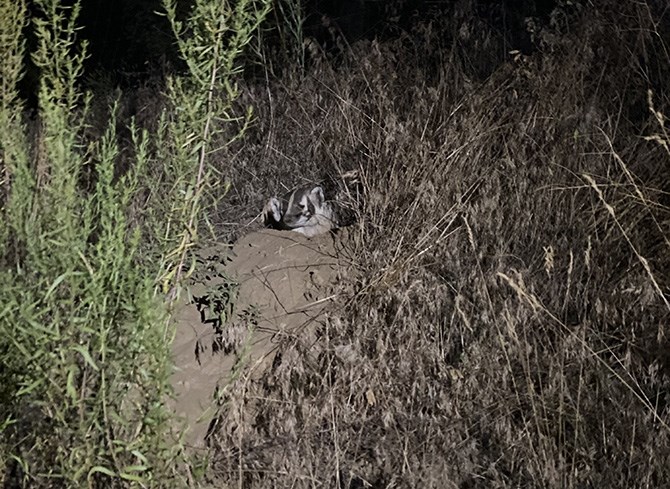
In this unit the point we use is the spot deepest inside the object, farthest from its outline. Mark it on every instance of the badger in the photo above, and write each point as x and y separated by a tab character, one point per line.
304	210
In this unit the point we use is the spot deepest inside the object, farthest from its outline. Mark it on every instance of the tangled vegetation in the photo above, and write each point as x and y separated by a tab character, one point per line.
507	321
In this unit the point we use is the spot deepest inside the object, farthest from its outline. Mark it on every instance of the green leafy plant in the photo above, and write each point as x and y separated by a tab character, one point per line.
84	330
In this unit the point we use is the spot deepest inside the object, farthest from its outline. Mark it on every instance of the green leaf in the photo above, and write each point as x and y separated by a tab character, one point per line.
98	469
30	387
87	357
69	386
140	456
56	283
131	477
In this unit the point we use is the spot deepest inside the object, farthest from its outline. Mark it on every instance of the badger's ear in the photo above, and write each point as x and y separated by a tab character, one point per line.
272	212
317	195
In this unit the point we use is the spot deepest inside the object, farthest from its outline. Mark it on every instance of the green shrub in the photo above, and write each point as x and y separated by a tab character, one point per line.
84	329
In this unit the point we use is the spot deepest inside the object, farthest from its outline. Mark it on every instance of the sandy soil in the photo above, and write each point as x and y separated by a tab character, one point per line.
284	287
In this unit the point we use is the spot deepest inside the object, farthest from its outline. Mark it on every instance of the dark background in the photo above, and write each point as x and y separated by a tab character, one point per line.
128	38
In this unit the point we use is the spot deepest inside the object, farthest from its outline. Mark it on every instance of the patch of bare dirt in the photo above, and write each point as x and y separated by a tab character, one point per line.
284	286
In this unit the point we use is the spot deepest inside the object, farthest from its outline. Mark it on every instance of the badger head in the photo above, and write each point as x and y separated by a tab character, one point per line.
304	210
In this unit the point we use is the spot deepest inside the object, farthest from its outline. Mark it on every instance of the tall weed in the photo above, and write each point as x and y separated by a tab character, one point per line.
84	326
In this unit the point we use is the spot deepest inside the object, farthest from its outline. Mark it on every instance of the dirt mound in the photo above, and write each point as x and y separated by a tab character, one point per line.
283	286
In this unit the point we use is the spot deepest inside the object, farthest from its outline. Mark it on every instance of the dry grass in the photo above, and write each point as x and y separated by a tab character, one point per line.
507	326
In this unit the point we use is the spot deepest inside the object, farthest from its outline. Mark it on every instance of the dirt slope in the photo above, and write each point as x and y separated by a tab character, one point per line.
284	287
